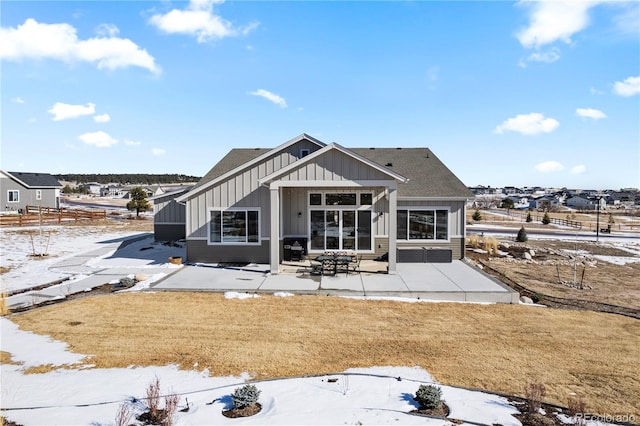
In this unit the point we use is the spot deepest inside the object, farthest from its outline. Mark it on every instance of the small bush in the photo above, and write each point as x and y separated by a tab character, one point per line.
522	235
245	396
529	218
476	215
429	397
155	415
474	240
577	410
546	219
126	282
535	392
536	297
490	245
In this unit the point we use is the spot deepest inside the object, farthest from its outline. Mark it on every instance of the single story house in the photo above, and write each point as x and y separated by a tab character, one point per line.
254	203
21	189
581	202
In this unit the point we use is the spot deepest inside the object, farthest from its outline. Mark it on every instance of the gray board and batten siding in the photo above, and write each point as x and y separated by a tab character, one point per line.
169	216
33	189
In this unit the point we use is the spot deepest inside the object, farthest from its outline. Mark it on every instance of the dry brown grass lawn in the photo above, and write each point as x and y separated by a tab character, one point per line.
493	347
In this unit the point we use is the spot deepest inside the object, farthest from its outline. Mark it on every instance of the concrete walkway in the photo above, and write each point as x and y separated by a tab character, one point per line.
456	281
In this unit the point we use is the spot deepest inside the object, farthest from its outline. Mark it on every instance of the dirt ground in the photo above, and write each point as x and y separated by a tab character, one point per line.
579	270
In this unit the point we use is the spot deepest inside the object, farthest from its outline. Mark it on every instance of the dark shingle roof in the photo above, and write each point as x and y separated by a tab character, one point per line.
428	176
235	158
36	180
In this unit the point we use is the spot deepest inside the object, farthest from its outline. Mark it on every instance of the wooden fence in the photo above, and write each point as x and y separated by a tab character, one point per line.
34	215
535	218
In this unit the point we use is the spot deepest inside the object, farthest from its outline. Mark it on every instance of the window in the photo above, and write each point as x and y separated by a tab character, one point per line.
315	199
423	224
38	194
234	227
340	199
13	196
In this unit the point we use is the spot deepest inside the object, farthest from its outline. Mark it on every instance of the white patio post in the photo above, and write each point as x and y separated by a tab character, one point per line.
274	233
393	228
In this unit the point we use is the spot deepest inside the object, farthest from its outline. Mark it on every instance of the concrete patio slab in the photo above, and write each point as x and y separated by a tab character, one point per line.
292	283
204	278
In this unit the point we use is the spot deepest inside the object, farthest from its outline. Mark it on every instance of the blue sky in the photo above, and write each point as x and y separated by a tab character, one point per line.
505	93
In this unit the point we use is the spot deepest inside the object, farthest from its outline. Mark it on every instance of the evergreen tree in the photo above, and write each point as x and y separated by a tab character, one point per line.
522	236
529	218
477	215
507	203
138	201
545	219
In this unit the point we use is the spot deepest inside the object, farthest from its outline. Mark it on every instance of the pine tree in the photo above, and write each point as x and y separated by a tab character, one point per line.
545	219
477	215
522	236
138	201
529	218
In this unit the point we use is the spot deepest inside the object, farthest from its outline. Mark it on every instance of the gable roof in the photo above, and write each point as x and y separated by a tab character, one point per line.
428	176
320	152
35	180
421	172
239	159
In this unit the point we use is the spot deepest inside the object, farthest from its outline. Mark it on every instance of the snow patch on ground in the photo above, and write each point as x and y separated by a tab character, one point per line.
237	295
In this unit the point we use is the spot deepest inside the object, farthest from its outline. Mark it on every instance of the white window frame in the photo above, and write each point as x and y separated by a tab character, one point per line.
435	231
354	207
234	243
12	199
38	194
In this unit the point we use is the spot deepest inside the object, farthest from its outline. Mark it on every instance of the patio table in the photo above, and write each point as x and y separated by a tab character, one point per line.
334	262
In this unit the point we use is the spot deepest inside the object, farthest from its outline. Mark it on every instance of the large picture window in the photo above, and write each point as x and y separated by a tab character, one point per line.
13	196
234	227
423	224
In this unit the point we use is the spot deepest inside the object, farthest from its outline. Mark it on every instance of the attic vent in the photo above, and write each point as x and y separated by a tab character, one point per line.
389	165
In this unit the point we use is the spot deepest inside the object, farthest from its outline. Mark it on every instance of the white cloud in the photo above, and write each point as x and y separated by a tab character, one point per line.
578	170
528	124
100	139
132	143
63	111
591	113
158	151
34	40
198	20
18	100
549	56
549	166
102	118
550	21
628	87
270	97
107	30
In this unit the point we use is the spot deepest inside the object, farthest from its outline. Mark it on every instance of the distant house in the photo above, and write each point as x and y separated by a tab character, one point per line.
519	201
21	189
371	201
93	187
546	202
583	202
114	191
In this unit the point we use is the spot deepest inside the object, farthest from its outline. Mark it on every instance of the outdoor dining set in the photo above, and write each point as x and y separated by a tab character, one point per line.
334	262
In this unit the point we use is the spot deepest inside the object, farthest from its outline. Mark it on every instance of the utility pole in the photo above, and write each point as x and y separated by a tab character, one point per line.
598	220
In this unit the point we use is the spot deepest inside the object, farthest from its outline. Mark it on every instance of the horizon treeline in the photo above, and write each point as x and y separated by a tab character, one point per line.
127	178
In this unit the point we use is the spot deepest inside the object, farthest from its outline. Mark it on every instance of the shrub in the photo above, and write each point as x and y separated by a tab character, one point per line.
522	235
429	397
245	396
545	219
155	415
529	218
490	245
474	240
577	410
535	392
536	297
476	215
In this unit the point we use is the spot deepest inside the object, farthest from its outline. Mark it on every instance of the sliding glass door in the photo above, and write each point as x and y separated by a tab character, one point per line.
341	230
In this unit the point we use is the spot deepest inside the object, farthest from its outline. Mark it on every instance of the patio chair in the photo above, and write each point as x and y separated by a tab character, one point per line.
354	266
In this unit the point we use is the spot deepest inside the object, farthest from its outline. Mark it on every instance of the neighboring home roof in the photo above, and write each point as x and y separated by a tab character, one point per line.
35	180
171	194
428	176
